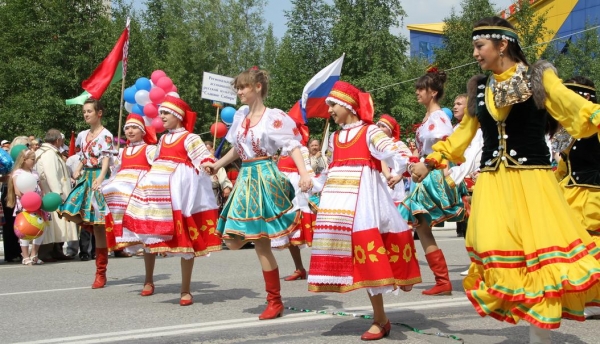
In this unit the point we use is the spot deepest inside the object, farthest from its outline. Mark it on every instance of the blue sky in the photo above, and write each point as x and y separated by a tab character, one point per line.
418	12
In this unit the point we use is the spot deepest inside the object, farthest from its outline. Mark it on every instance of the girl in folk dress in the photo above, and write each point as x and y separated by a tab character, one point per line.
85	204
360	240
172	209
530	258
303	234
259	208
135	161
391	128
435	199
23	165
578	172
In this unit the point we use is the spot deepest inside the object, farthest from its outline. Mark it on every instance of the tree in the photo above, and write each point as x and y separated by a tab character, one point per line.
375	57
578	56
46	51
456	56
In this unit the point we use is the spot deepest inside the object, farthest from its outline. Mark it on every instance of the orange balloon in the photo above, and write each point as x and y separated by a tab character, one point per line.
29	226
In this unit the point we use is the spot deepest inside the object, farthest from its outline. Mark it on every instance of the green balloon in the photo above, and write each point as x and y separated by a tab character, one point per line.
16	150
51	201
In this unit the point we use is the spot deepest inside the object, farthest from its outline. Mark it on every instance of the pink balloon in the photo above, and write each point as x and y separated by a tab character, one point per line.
174	88
31	201
157	123
156	75
165	83
151	110
157	95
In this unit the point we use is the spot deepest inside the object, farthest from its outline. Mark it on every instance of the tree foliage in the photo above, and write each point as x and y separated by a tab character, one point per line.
51	46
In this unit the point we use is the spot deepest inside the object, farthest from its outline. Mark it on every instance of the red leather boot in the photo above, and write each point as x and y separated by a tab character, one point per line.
273	288
437	263
101	262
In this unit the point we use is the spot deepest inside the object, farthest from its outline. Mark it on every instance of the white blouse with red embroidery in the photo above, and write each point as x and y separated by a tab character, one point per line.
437	127
275	130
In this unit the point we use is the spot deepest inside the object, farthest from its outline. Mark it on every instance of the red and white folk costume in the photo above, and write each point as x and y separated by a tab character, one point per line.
304	230
135	161
359	242
173	209
390	122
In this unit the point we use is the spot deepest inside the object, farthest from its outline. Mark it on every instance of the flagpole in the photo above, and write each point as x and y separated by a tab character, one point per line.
124	73
120	113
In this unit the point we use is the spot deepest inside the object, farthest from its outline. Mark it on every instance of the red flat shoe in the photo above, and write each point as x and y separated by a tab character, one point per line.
183	302
384	331
297	275
148	292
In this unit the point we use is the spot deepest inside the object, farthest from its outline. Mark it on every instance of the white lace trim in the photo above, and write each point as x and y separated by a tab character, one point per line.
134	144
353	125
172	112
290	147
178	130
348	280
341	103
383	290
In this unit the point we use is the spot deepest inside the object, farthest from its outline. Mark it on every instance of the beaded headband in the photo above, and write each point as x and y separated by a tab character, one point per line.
495	32
583	90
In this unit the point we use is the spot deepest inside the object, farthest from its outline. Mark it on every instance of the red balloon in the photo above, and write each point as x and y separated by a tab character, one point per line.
174	88
158	125
165	83
150	110
157	95
218	130
31	201
156	75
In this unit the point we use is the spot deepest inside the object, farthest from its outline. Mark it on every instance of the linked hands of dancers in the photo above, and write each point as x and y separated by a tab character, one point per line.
393	180
210	168
418	171
305	183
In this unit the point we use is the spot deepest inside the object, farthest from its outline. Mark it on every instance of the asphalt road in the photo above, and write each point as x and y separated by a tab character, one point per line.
54	303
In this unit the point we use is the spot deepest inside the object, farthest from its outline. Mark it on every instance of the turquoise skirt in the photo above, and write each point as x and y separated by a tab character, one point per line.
85	206
259	205
435	199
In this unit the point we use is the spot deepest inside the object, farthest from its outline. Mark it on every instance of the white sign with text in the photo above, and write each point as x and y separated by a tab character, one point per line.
218	88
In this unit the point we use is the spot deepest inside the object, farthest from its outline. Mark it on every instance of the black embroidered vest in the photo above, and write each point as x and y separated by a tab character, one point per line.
583	162
518	141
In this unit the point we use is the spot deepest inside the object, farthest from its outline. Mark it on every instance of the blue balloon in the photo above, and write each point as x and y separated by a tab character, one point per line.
129	94
448	112
143	84
137	109
6	162
227	115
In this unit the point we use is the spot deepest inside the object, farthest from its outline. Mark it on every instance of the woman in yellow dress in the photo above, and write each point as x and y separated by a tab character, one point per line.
530	258
578	171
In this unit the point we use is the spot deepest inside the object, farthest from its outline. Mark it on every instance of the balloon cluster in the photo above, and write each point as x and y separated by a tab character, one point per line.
146	95
30	223
219	130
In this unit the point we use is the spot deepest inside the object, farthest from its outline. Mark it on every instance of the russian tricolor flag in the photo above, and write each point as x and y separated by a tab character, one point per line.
312	104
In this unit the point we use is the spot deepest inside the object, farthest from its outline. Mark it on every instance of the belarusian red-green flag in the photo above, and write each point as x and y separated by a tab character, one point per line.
109	71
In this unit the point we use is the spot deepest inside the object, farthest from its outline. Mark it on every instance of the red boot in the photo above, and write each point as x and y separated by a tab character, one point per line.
437	263
273	288
101	262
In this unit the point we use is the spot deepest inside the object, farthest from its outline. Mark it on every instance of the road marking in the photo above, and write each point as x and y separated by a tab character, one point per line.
178	330
63	289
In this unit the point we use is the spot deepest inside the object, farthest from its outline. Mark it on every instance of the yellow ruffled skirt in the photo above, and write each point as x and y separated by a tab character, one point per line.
585	203
530	257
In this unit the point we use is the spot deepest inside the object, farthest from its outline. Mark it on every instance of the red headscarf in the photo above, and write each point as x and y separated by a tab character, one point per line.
181	110
392	124
350	97
138	121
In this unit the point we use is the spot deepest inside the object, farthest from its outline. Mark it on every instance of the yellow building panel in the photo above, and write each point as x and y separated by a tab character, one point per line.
558	11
